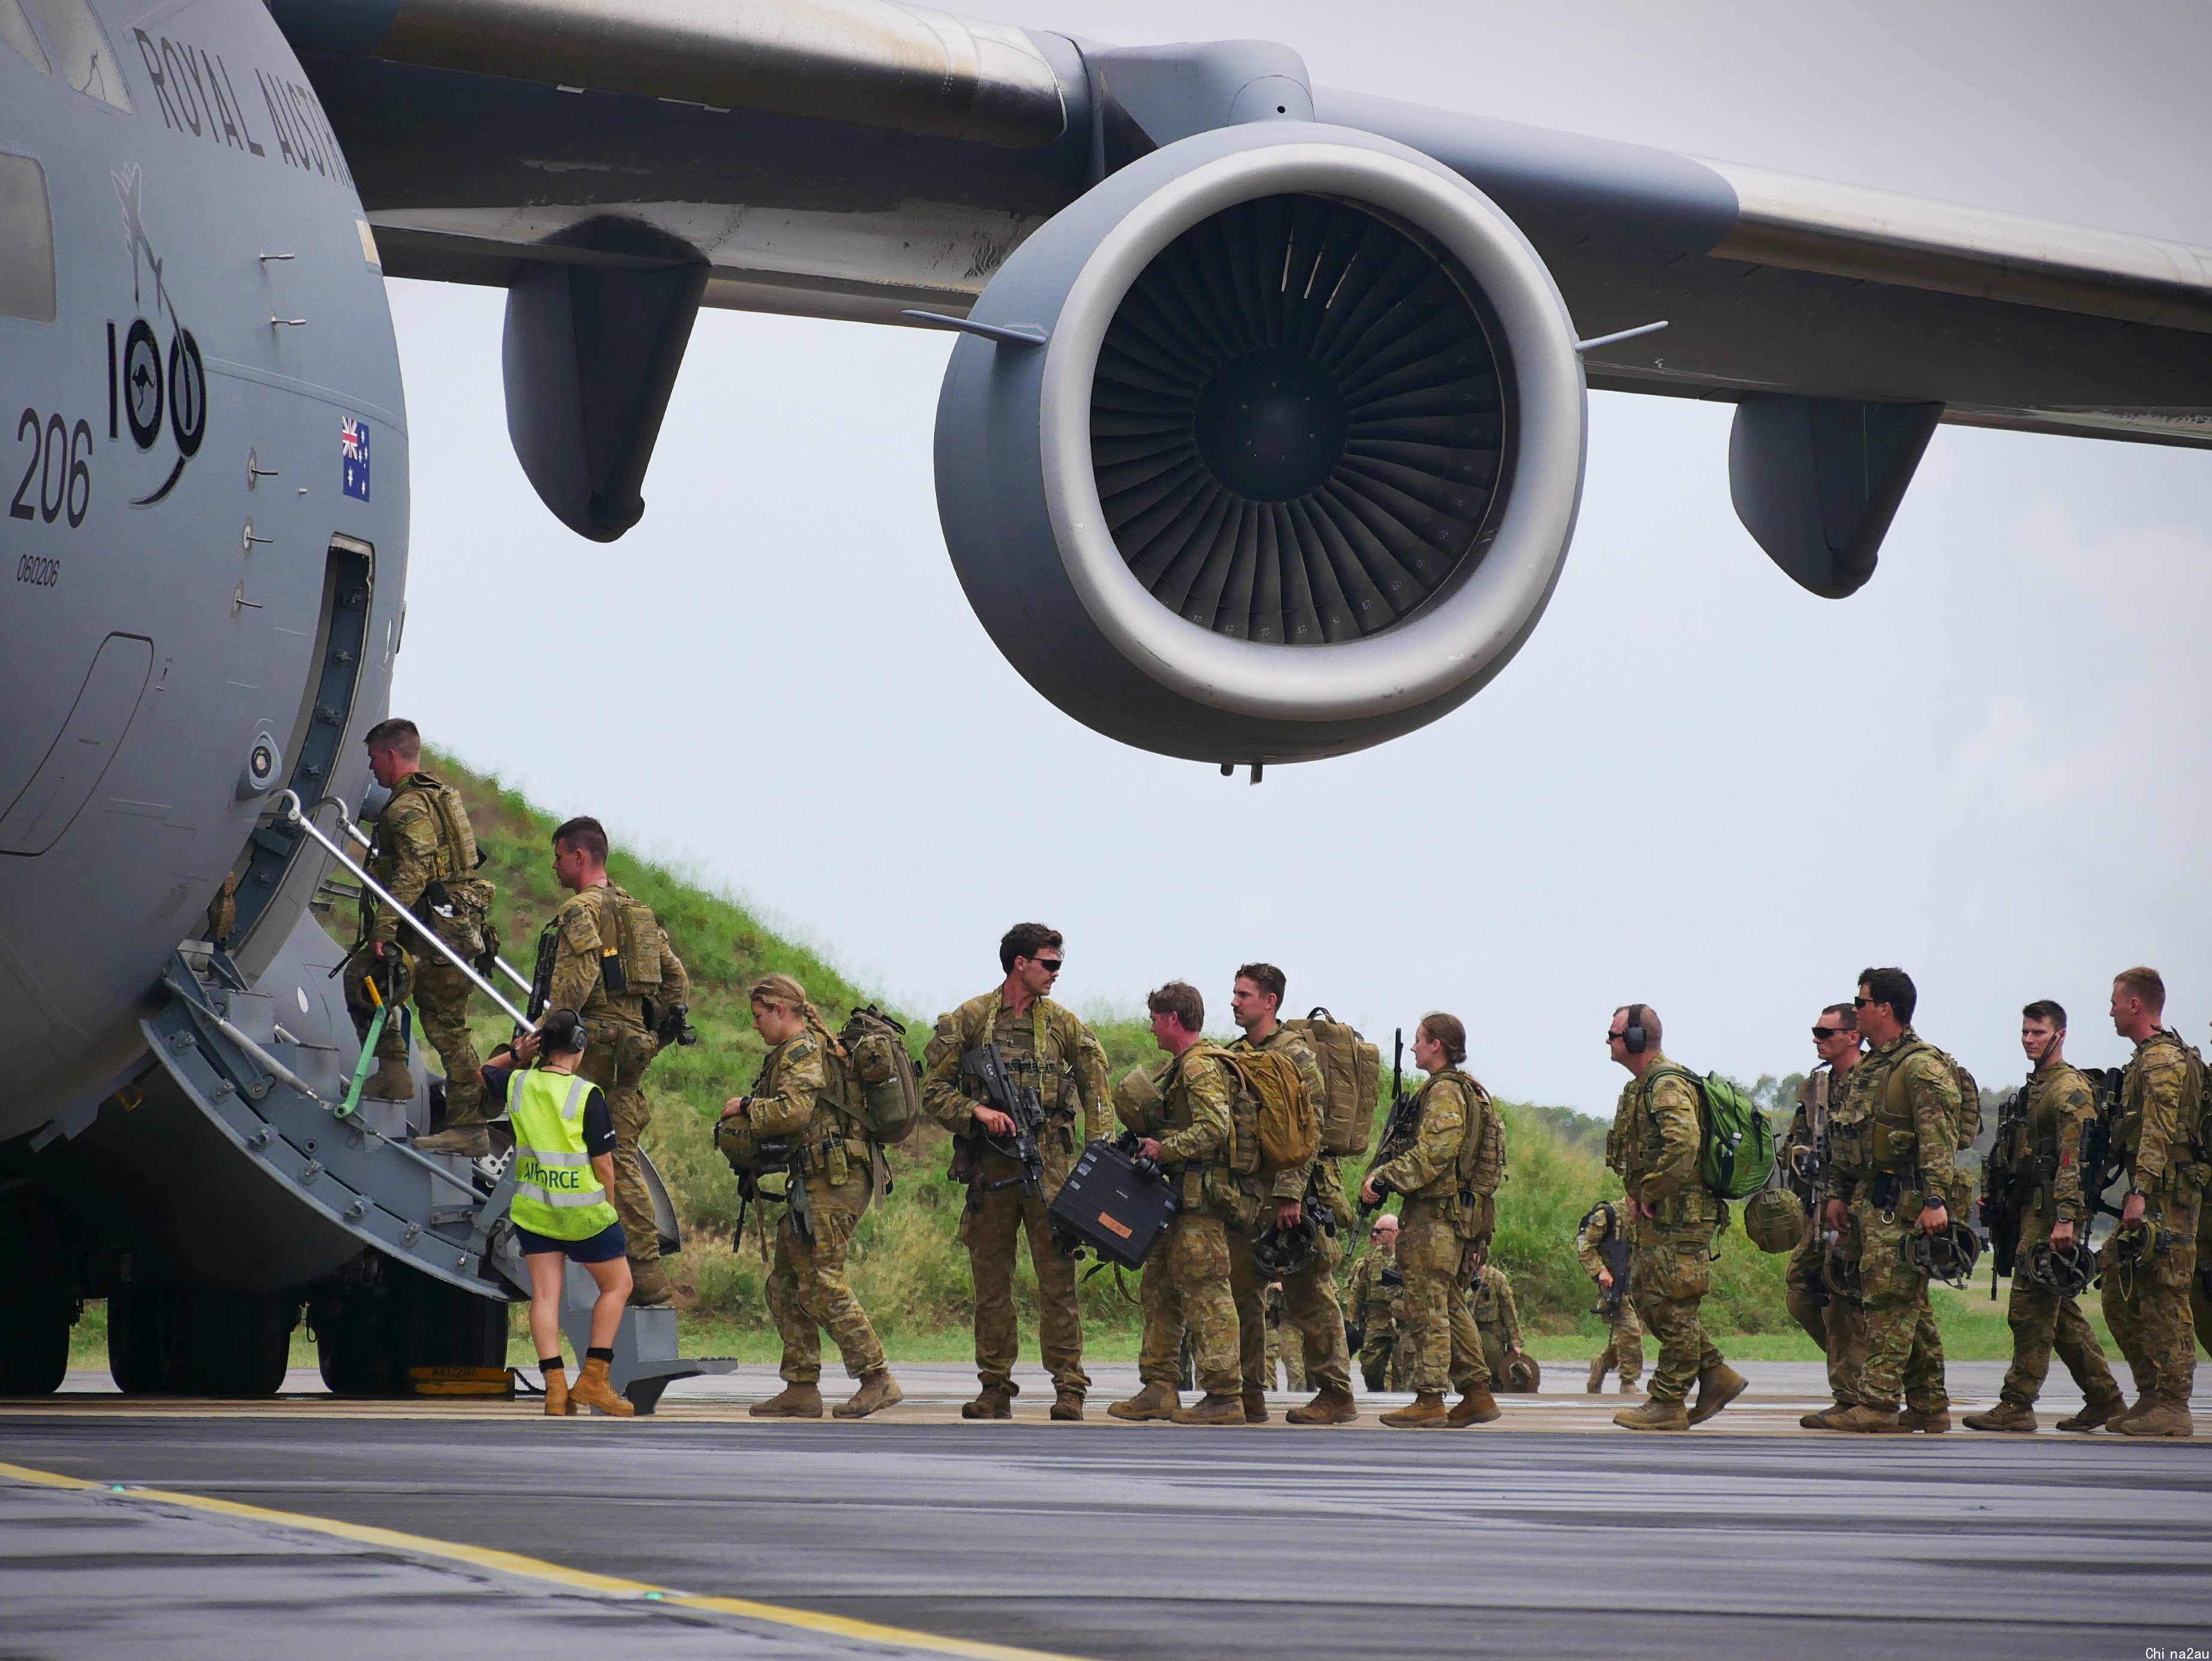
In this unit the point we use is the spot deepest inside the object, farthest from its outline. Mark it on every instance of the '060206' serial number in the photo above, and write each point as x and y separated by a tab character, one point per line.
38	572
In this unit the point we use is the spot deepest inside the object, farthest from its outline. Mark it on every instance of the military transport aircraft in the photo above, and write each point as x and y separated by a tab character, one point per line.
1263	442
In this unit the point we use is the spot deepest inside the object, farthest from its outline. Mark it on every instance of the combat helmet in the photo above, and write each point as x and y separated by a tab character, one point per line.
2066	1270
1281	1251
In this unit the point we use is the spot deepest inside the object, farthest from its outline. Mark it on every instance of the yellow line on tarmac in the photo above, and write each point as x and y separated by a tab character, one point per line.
536	1568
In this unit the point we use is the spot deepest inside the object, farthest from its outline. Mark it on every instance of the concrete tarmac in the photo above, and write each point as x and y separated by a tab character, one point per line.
1548	1533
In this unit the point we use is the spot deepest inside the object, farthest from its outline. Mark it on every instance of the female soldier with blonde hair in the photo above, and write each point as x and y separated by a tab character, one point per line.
807	1287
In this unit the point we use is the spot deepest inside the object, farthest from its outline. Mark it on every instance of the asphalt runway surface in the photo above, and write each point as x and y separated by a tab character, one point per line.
1548	1534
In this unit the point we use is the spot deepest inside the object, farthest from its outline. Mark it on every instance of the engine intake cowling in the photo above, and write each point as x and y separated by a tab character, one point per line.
1295	467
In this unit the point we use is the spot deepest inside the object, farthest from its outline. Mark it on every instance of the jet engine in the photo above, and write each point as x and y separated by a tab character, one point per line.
1268	447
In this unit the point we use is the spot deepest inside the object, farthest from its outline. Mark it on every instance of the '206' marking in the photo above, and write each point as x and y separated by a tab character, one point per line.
58	479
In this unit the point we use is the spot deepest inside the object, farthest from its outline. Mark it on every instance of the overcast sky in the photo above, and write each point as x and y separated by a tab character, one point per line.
1697	785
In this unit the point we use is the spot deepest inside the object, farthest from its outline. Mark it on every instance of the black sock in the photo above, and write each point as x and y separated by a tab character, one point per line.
550	1364
596	1354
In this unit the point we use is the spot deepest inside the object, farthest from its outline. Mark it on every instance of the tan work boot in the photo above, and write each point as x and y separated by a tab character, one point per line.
1598	1370
992	1402
878	1391
2101	1411
594	1390
557	1404
2005	1415
1825	1418
1869	1422
1630	1387
1066	1406
1329	1407
1475	1406
470	1141
792	1401
649	1285
2162	1416
1424	1410
1716	1388
1153	1402
1213	1408
1935	1421
391	1082
1256	1407
2120	1414
1654	1415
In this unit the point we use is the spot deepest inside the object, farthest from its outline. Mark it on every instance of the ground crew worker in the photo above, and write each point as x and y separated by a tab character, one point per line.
1376	1297
1498	1320
1609	1220
1891	1174
1308	1296
1290	1357
606	954
807	1288
423	851
2061	1105
1838	1323
2156	1137
1437	1258
1047	1050
1656	1134
563	1168
1186	1279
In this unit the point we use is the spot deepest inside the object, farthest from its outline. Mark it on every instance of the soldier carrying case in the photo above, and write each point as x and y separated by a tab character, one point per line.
1111	1205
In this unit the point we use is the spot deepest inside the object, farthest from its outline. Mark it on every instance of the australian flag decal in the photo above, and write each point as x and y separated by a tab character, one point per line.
353	457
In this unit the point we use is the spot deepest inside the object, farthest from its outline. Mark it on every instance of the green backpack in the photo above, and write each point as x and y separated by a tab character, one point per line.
1735	1146
872	1081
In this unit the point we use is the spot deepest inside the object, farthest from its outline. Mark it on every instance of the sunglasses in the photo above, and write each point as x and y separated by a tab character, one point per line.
1861	1003
1825	1033
1050	965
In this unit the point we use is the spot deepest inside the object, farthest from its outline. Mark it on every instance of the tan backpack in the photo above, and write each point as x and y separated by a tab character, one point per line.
1350	1068
1281	1117
1481	1168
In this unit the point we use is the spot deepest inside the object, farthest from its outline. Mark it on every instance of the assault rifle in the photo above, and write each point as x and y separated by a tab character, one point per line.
983	1069
1396	1130
2006	1172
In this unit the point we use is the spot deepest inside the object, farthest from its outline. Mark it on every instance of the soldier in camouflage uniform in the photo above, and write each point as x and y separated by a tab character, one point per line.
1308	1296
605	955
1624	1349
1832	1319
1186	1282
807	1288
1654	1141
1498	1318
1376	1296
1290	1358
1046	1048
423	850
2061	1109
1443	1233
2158	1136
1890	1145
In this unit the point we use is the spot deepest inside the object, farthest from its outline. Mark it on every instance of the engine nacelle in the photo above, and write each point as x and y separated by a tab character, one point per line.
1295	464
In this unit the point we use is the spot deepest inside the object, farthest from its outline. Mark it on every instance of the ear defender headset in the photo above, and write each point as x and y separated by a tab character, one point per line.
1633	1036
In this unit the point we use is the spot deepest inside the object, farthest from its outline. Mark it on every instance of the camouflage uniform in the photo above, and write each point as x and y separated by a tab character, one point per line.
422	838
600	933
1308	1296
807	1288
1839	1325
2156	1135
1624	1348
1882	1160
1496	1317
2060	1104
1186	1282
1655	1137
1047	1048
1292	1358
1379	1307
1441	1345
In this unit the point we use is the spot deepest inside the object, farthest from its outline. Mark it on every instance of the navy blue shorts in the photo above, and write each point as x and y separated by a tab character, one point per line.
603	1247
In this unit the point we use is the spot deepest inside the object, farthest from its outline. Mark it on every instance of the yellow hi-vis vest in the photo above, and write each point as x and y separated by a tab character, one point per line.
556	1192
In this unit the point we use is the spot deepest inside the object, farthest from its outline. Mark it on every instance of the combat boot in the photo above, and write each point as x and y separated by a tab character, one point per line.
1598	1370
1870	1421
557	1404
2005	1415
1630	1387
792	1401
1330	1406
649	1285
1067	1405
1475	1406
2101	1411
1256	1407
391	1082
1654	1415
1424	1410
1935	1421
1827	1418
470	1141
878	1391
2121	1414
594	1390
2161	1416
1213	1408
1716	1388
992	1402
1153	1402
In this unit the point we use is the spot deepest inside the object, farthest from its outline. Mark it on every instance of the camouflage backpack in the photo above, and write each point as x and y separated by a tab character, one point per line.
1969	1125
1280	1122
1350	1068
872	1081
